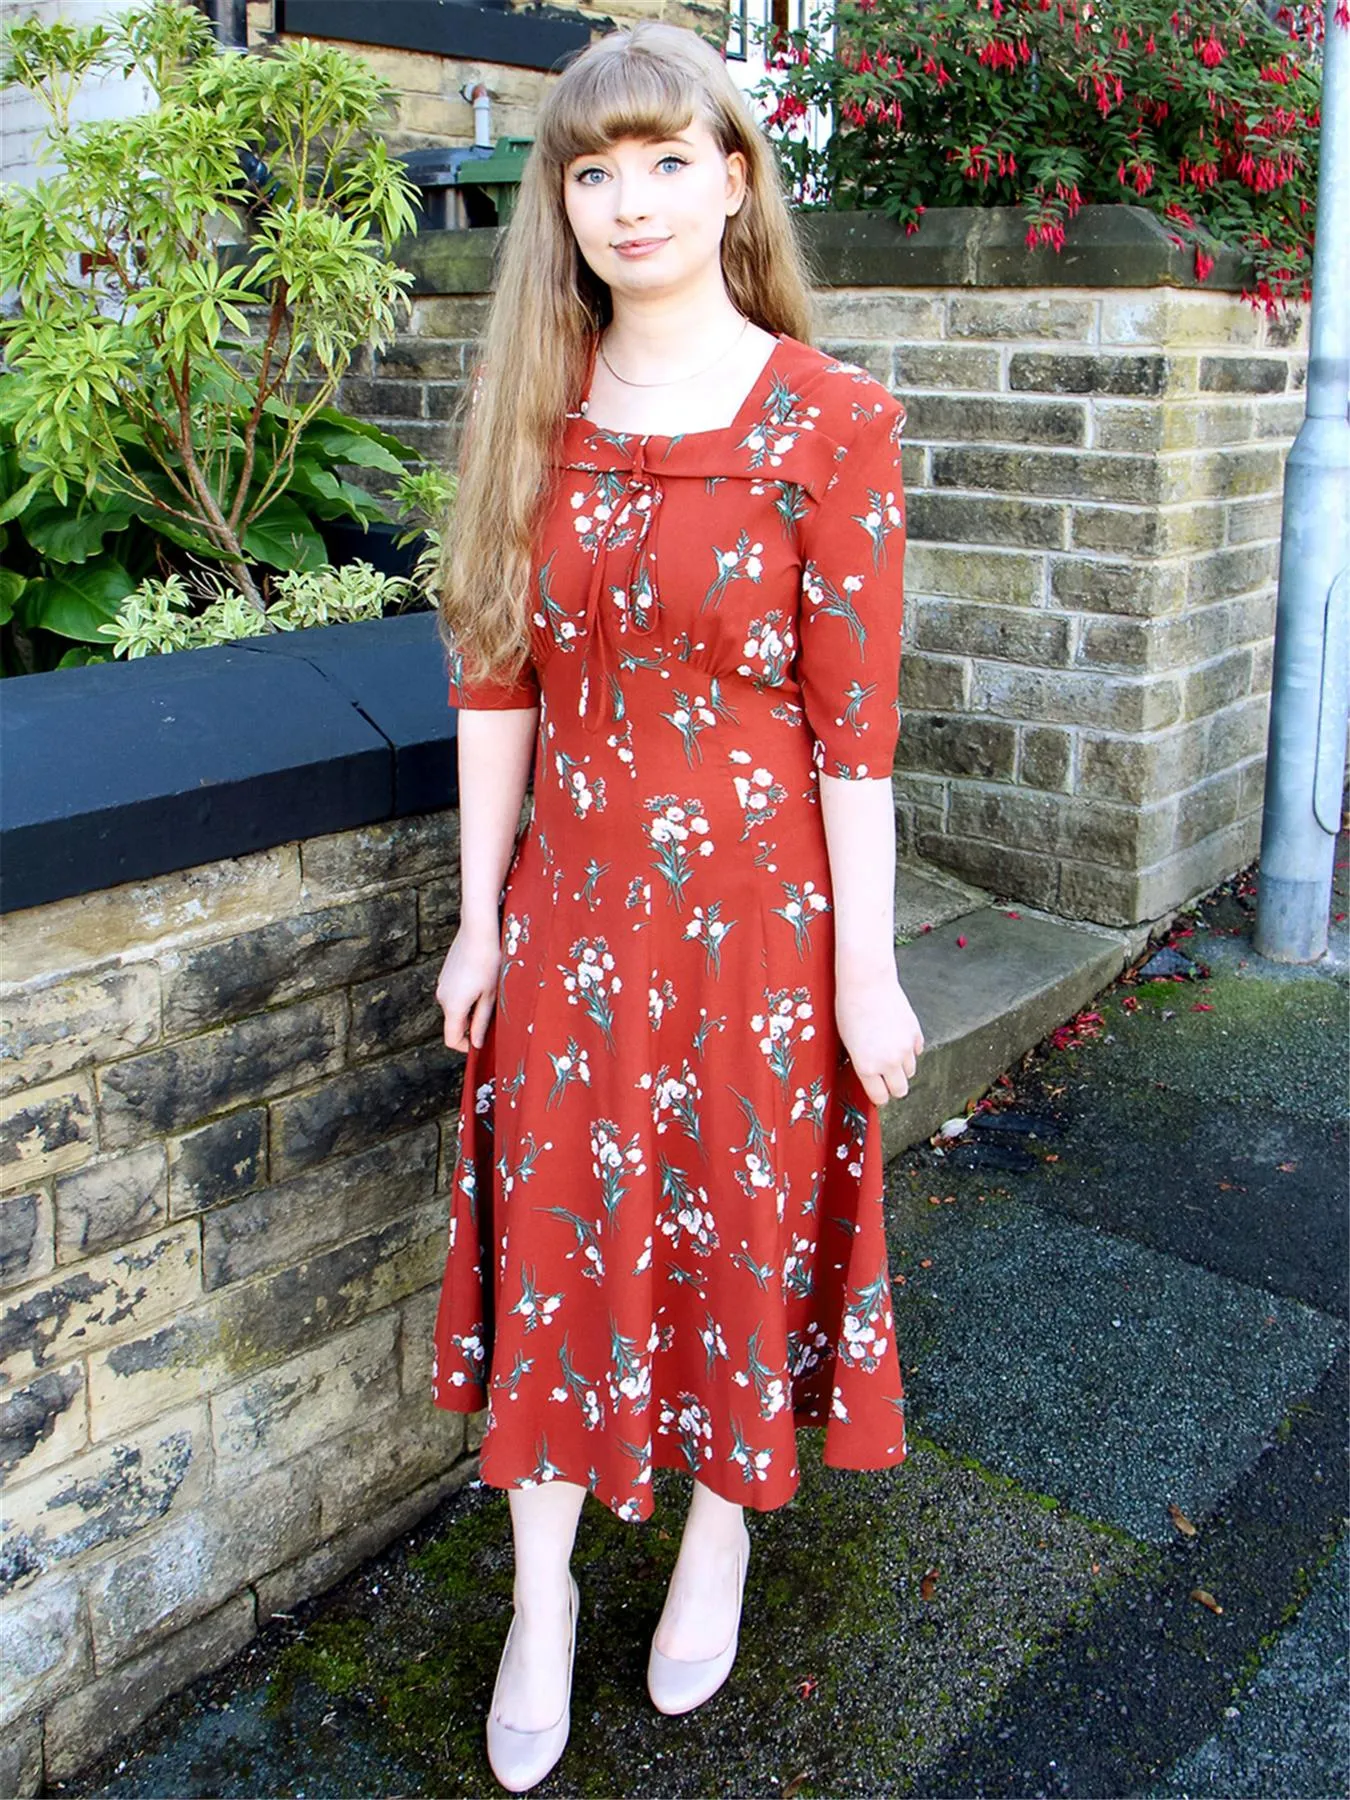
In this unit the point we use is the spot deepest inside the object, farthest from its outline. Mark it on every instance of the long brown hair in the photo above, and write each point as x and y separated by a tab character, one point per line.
648	82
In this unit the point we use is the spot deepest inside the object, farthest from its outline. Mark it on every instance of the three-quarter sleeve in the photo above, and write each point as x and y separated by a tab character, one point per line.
468	694
852	607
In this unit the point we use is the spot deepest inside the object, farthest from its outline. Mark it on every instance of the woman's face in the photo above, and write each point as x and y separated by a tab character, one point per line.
649	217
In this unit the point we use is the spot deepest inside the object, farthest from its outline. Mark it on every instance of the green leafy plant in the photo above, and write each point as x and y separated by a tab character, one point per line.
159	616
68	568
1204	111
160	374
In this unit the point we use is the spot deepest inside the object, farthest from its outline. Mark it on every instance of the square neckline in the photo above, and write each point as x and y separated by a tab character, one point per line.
680	437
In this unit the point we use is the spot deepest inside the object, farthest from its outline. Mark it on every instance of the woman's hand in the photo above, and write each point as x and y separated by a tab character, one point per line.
467	987
880	1032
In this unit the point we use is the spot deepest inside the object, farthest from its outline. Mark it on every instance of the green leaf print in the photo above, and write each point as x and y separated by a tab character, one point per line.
590	982
614	1161
594	870
754	1464
714	1344
854	695
535	1309
685	1217
519	1369
790	505
709	927
544	1470
866	1324
800	907
629	1374
830	602
588	1241
707	1025
515	932
572	1065
577	1387
883	516
744	563
562	626
679	833
770	1391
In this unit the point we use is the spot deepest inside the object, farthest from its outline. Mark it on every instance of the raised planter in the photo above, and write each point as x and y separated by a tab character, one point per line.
122	771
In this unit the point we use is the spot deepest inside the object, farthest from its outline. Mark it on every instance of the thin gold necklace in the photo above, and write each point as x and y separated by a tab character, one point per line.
706	370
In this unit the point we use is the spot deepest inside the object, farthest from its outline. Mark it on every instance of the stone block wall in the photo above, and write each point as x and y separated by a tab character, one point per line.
1094	480
225	1135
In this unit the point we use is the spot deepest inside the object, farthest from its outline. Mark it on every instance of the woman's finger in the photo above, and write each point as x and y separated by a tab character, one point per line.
482	1013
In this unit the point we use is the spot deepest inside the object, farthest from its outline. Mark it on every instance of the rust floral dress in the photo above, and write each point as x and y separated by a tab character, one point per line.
666	1243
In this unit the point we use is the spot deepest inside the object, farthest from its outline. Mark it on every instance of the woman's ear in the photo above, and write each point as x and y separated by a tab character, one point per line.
737	181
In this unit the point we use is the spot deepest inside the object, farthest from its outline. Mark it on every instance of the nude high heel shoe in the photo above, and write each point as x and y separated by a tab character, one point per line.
519	1759
678	1687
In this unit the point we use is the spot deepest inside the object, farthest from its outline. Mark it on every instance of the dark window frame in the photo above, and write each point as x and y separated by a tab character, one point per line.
538	37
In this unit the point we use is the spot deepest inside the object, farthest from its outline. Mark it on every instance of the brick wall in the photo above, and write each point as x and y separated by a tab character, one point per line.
224	1150
1094	480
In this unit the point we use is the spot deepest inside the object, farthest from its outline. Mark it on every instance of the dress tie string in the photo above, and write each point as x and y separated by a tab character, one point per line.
636	616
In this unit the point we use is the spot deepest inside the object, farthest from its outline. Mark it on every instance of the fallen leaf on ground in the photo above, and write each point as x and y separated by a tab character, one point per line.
928	1585
1180	1520
1202	1006
1287	1168
925	1262
805	1688
1050	1159
1130	1003
1205	1598
794	1786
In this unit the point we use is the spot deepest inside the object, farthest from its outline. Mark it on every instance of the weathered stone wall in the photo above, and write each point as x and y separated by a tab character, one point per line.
226	1125
1094	480
431	108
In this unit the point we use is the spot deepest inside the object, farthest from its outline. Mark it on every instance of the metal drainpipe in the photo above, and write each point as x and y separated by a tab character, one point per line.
1310	681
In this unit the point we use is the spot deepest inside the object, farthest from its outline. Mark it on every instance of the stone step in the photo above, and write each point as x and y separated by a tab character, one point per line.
987	999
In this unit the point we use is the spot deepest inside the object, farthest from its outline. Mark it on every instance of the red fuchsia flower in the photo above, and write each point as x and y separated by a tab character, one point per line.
1174	210
1203	264
1211	52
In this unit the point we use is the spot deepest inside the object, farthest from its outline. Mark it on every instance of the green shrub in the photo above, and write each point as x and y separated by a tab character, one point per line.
167	390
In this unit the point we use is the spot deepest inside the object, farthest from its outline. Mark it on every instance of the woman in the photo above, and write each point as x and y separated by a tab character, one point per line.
675	577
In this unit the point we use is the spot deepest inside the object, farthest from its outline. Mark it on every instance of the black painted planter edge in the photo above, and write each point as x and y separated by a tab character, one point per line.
130	771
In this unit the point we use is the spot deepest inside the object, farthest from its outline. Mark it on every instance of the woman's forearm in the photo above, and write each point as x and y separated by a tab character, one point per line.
494	769
859	819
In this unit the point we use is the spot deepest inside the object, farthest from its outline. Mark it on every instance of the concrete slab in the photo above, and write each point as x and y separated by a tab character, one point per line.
987	986
1087	1366
928	896
1289	1734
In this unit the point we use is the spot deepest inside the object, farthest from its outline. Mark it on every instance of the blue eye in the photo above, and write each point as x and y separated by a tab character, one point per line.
582	175
678	161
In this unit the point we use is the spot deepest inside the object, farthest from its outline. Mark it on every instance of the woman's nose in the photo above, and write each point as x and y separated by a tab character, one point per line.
633	201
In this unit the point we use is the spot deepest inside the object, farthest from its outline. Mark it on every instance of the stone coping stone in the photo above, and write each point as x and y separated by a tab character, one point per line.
121	772
954	246
987	985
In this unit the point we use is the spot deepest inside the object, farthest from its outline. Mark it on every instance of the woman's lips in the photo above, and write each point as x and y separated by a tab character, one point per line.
636	247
